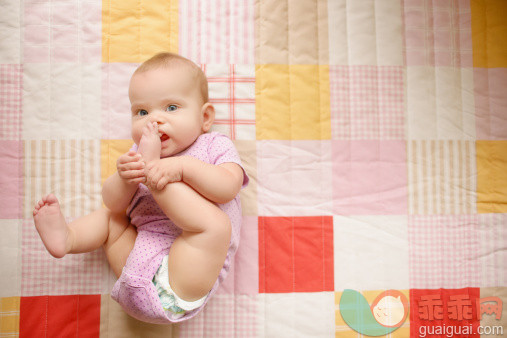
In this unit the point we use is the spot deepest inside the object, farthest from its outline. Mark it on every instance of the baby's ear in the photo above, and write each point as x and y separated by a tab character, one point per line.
208	115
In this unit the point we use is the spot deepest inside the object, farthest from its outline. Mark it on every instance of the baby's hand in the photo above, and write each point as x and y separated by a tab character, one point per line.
130	167
161	172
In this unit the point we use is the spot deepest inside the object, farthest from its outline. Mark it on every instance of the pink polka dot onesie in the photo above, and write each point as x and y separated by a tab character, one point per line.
135	290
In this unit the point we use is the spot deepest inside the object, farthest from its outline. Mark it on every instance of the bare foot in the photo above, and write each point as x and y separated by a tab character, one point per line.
150	145
52	226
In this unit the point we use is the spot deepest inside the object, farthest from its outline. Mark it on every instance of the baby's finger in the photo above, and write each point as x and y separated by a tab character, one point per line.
133	174
162	183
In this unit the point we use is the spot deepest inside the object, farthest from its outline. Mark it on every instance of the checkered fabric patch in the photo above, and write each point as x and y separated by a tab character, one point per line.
232	92
44	275
442	251
10	101
438	33
367	102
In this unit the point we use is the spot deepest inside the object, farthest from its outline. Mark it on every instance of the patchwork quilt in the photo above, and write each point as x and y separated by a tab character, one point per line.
374	134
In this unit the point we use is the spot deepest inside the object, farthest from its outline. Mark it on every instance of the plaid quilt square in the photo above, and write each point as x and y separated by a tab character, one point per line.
232	93
225	29
42	274
62	31
11	86
438	33
367	102
303	246
442	251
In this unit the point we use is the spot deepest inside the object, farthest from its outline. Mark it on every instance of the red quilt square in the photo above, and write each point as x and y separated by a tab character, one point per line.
296	254
444	312
60	316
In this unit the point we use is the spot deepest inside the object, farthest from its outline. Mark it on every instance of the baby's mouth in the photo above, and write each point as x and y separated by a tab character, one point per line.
164	137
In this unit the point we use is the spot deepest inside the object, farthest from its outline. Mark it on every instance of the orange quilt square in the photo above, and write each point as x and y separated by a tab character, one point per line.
296	254
60	316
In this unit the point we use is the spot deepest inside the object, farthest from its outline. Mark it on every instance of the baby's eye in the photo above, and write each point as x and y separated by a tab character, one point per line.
142	112
171	107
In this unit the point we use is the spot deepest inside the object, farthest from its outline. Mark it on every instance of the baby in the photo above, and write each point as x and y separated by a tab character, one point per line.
173	214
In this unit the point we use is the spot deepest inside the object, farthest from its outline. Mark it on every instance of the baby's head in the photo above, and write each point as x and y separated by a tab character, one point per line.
173	92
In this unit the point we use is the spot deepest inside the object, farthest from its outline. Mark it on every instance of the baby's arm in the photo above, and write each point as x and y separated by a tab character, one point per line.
218	183
118	189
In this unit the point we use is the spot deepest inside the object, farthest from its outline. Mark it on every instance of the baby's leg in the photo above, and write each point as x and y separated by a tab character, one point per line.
198	254
85	234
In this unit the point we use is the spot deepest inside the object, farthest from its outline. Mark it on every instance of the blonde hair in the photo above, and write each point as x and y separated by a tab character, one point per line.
167	59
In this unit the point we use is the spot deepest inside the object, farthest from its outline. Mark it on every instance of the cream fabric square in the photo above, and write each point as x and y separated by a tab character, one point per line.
298	315
364	32
440	103
371	252
61	101
10	251
294	178
10	34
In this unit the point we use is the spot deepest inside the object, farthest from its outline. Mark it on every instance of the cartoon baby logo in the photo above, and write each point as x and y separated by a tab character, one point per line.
387	312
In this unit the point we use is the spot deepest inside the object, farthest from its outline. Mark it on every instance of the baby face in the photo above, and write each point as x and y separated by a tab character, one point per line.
389	311
171	98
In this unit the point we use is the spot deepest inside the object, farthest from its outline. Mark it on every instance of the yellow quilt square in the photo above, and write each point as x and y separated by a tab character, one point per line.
9	316
489	33
110	150
491	176
292	102
133	30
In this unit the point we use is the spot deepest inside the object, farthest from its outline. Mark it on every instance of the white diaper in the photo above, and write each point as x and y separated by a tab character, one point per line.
170	300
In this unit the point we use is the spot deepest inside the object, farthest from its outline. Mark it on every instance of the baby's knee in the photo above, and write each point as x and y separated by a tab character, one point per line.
221	227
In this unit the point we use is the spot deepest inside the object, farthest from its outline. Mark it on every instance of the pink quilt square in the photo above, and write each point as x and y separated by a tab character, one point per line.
11	180
115	101
62	32
435	32
11	86
369	178
490	103
367	102
443	251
